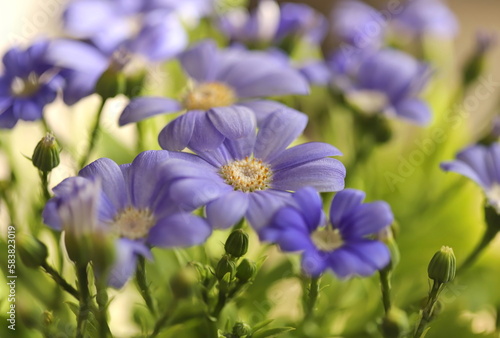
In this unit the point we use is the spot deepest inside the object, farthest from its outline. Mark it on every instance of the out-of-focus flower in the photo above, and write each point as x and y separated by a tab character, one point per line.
215	107
426	17
344	245
135	206
251	177
270	23
358	25
27	84
482	165
387	82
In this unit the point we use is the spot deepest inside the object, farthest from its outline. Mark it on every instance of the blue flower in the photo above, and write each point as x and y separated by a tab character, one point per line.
216	108
426	17
28	83
268	23
134	206
344	245
482	165
251	177
387	81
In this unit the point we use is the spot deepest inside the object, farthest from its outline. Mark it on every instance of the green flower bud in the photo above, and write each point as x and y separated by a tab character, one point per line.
225	265
33	253
111	83
386	236
103	253
134	83
46	154
246	270
241	330
443	265
237	243
395	324
184	282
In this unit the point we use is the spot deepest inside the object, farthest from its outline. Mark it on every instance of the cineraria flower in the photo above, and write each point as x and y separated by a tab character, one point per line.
268	23
215	109
135	206
344	245
482	165
388	82
27	84
252	176
359	25
427	17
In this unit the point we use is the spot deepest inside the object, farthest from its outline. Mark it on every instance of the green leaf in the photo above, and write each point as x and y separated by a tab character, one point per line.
261	325
274	332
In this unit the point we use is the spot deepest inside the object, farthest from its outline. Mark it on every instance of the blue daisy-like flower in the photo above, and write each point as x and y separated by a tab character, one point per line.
344	245
253	176
135	206
217	106
27	84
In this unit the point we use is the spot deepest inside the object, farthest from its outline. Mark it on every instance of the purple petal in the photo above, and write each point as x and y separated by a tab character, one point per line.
262	108
143	107
227	210
76	55
373	253
471	162
316	73
126	259
191	193
343	202
113	36
263	205
199	62
324	175
179	230
27	110
310	205
205	135
112	181
346	264
415	110
313	262
176	135
233	122
85	18
78	85
50	215
277	132
7	119
365	219
303	153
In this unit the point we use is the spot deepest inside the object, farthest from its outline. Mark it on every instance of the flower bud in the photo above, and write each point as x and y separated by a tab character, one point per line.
33	253
111	83
246	270
395	324
183	282
237	243
443	265
134	83
241	330
225	266
46	154
103	253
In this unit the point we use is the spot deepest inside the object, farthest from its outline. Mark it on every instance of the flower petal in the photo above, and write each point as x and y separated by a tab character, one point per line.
365	219
313	262
176	135
143	107
233	122
374	253
303	153
471	162
199	61
179	230
415	110
262	108
27	110
125	264
263	205
205	135
347	264
343	202
191	193
76	55
310	205
7	119
227	210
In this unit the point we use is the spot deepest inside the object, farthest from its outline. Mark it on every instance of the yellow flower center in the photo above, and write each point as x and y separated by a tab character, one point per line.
25	87
247	175
133	223
327	239
209	95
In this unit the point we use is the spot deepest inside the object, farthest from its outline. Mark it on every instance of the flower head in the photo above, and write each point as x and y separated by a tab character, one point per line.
134	206
217	105
28	83
344	245
482	165
252	176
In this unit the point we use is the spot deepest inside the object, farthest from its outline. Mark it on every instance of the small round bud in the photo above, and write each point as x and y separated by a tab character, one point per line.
241	330
225	266
46	154
395	324
443	265
111	83
246	270
237	243
183	282
33	253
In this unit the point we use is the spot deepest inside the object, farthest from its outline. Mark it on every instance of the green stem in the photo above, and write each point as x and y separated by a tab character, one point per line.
60	280
488	236
143	285
163	321
428	309
221	302
102	312
385	283
83	313
44	178
312	297
93	135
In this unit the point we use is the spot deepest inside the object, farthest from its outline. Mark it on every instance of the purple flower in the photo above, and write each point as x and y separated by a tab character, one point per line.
344	245
482	165
268	23
28	83
135	206
251	177
216	108
358	25
388	82
427	17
